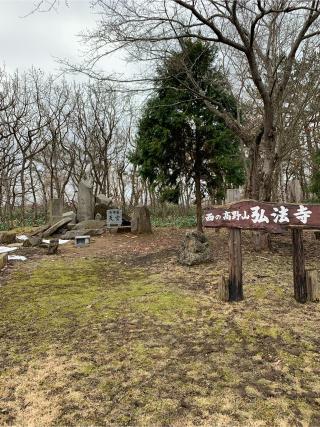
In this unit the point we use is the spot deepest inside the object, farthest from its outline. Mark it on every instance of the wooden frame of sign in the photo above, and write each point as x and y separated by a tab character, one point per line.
272	218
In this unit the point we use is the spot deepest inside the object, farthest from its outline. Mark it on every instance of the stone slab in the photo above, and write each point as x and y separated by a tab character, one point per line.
56	226
83	232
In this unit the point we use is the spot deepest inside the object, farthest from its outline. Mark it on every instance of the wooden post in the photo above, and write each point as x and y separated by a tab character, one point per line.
299	272
223	289
312	284
235	265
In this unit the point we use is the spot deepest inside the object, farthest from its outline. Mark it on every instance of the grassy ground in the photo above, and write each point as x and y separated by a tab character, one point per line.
120	334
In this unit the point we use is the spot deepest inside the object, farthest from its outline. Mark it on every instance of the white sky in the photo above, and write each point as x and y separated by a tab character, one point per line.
38	38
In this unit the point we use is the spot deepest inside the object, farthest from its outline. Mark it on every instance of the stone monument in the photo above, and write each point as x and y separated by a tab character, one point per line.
56	209
86	202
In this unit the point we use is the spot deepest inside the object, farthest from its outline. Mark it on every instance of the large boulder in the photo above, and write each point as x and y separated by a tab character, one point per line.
90	223
70	214
7	237
103	203
83	232
195	249
102	199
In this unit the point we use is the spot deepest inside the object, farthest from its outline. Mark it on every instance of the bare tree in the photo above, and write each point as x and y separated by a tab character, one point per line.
266	35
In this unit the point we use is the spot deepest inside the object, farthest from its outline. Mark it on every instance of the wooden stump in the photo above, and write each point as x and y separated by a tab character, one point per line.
312	284
235	265
223	289
140	223
299	272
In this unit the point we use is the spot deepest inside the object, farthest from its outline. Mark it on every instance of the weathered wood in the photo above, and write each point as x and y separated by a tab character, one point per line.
261	241
271	217
312	283
299	272
223	289
235	265
317	235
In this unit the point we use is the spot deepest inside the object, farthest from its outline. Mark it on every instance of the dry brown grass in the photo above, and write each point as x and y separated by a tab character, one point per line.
132	338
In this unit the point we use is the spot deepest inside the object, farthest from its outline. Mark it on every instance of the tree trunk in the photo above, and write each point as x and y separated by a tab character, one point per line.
198	203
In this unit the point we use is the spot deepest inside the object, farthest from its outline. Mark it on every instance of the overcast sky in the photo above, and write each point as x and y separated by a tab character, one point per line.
38	38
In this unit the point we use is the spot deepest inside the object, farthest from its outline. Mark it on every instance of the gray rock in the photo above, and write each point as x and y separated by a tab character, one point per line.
195	249
71	215
91	223
101	198
83	232
98	217
32	241
7	237
56	226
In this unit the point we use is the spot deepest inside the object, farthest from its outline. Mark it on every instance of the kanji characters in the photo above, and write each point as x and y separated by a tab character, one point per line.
303	214
209	217
258	215
227	216
280	214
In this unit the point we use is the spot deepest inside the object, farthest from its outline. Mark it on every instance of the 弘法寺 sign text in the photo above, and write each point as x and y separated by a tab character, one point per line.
273	217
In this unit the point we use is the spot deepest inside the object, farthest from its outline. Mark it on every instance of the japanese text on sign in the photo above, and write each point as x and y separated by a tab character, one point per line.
114	217
261	215
257	215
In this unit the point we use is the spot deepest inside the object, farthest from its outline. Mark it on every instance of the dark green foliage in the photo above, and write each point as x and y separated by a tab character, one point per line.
179	138
169	194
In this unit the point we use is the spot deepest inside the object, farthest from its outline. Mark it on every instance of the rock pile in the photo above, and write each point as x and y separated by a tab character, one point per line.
194	249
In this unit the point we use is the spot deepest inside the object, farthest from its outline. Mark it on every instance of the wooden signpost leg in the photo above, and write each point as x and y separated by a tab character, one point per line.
235	265
299	271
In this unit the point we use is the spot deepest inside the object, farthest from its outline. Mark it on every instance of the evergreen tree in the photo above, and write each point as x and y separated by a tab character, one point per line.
179	138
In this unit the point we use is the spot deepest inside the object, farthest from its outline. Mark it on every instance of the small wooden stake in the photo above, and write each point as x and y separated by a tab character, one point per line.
299	273
223	289
235	265
312	283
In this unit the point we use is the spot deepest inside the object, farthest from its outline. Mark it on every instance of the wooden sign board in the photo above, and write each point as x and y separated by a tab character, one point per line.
271	217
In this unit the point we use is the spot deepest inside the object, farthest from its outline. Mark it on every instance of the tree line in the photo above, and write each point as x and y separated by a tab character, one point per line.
54	133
